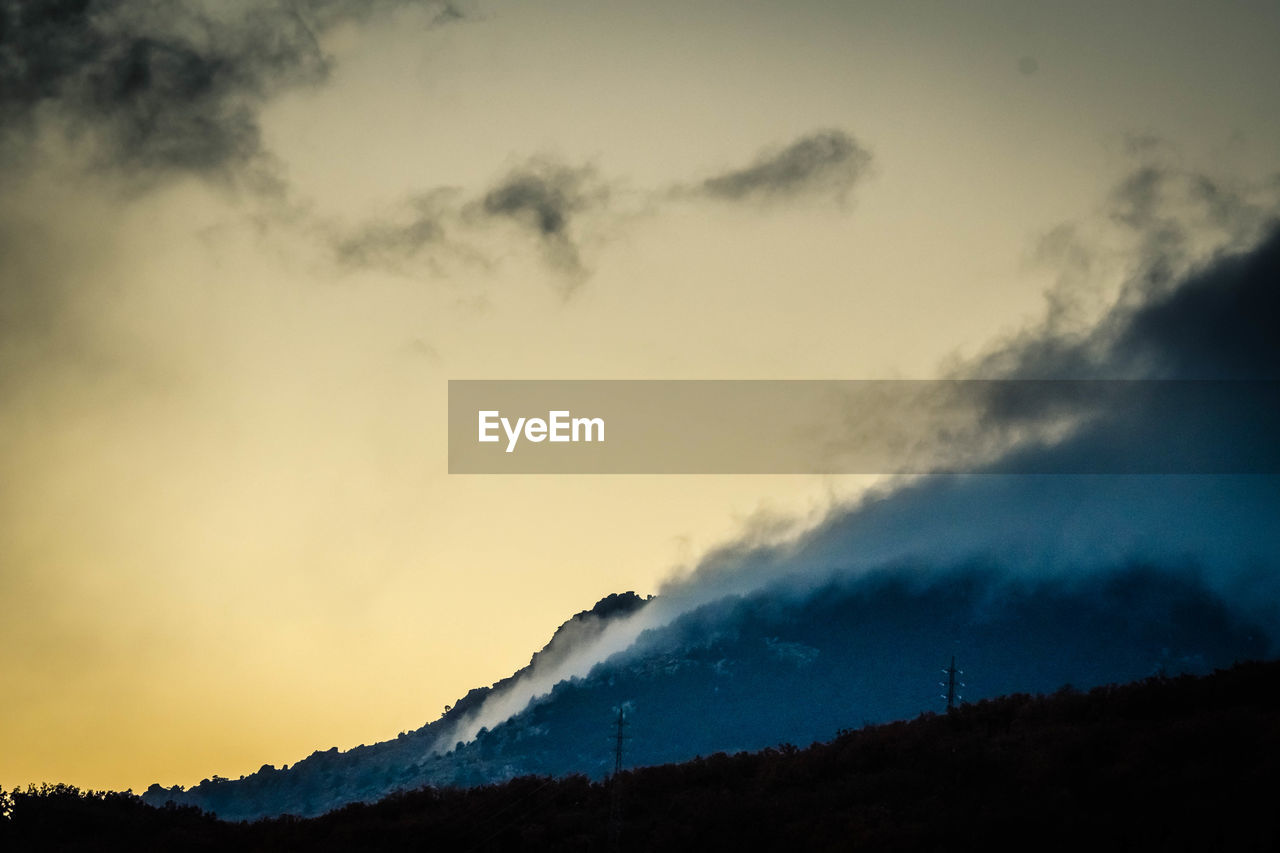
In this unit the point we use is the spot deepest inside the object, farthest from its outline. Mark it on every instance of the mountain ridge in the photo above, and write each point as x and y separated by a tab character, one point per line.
421	741
1162	763
747	671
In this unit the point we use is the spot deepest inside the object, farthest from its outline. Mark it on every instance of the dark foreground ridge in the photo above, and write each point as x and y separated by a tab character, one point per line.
742	673
1180	763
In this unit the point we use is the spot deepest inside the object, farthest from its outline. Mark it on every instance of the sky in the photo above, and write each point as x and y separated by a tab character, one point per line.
243	248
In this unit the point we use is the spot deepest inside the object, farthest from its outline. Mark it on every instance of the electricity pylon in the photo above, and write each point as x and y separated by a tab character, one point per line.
615	783
951	684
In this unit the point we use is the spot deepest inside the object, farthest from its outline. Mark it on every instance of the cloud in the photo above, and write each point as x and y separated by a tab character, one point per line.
1215	325
160	87
823	163
1190	304
1213	322
543	198
1199	305
448	14
546	198
390	242
556	203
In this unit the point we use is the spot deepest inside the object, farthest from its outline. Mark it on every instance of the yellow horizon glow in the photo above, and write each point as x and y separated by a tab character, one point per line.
227	534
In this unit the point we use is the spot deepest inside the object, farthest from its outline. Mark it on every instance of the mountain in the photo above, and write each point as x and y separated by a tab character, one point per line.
1163	764
1108	539
744	672
328	778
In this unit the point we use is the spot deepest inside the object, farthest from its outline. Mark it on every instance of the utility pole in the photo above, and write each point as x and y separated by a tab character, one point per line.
951	684
615	783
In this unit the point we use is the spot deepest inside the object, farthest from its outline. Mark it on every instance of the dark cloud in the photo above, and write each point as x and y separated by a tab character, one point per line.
541	195
1177	376
1219	324
1178	315
159	86
545	198
1195	343
827	162
1215	323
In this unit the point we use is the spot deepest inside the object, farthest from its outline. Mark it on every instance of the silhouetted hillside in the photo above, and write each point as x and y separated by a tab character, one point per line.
1164	764
742	673
328	778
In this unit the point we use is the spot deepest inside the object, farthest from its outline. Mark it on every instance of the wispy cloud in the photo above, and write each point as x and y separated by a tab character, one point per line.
560	204
546	199
394	241
826	163
550	201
